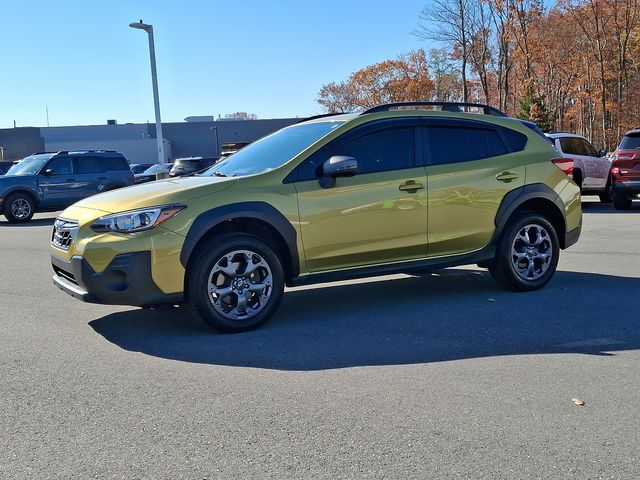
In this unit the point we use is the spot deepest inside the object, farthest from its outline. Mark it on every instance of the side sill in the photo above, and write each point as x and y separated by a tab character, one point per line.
483	255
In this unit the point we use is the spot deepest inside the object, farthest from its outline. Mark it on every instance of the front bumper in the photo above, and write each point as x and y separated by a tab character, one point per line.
126	280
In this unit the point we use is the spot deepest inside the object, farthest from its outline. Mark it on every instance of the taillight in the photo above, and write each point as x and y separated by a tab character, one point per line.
564	164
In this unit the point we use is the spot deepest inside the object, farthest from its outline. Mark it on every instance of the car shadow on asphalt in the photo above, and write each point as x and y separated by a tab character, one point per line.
450	315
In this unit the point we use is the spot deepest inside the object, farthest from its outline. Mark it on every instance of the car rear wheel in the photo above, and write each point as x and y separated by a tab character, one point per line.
19	208
621	201
527	253
235	283
605	196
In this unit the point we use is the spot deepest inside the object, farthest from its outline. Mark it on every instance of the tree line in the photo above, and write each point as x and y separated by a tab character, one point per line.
574	67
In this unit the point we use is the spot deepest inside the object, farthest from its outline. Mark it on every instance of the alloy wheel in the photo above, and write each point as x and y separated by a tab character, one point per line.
20	208
531	252
240	284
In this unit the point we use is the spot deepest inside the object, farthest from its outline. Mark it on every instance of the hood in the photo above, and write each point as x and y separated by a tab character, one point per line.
16	179
161	192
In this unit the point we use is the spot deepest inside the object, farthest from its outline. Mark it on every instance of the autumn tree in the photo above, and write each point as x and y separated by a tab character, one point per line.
404	79
450	22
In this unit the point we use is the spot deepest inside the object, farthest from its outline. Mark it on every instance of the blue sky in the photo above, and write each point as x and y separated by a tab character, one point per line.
214	57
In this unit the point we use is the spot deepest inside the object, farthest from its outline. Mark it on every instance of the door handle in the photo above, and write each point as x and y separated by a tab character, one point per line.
506	177
69	179
411	187
102	178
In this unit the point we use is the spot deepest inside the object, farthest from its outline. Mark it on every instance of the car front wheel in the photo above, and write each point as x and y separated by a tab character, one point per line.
19	208
527	253
235	283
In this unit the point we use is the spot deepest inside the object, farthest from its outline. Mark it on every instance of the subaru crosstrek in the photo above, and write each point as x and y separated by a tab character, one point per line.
46	182
398	188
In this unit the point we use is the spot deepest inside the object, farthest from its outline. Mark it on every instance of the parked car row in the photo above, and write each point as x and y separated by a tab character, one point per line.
615	178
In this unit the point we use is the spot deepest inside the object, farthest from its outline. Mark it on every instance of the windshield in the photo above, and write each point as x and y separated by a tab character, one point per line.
158	169
29	165
630	141
273	150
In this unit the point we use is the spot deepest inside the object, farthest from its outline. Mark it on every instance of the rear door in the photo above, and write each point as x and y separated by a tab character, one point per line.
470	166
91	174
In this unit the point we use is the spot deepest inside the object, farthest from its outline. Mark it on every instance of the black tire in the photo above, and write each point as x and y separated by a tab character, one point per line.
606	196
504	269
621	201
577	179
19	208
210	256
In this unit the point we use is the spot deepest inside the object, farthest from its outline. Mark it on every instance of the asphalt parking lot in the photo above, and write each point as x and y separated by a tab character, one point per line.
437	376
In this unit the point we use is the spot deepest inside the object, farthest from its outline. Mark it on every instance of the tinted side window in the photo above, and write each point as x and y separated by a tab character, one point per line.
573	146
516	141
460	144
61	165
379	151
110	164
587	147
89	164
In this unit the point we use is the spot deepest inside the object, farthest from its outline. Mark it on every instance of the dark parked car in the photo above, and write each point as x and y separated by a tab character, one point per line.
150	174
49	181
185	166
140	167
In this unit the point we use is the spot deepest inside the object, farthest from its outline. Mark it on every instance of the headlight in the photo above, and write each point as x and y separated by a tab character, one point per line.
136	220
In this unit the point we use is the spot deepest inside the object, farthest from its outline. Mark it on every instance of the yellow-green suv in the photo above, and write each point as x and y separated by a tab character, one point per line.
398	188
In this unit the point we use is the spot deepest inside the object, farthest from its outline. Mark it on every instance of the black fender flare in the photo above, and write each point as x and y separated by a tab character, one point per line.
262	211
515	198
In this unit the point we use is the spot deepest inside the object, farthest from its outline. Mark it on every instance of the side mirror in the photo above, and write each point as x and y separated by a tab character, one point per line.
49	172
337	166
602	153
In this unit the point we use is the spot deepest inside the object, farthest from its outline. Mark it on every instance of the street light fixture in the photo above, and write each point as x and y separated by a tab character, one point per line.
154	79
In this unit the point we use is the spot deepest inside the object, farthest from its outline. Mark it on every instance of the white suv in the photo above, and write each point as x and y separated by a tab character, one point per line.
590	168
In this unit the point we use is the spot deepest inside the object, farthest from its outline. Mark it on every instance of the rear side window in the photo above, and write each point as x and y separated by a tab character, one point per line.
97	164
110	164
516	141
89	165
630	141
573	146
379	151
449	144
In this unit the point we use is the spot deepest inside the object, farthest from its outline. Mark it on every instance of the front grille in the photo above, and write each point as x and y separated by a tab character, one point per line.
64	231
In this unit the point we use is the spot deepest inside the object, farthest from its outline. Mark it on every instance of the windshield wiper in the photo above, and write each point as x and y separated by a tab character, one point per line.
220	174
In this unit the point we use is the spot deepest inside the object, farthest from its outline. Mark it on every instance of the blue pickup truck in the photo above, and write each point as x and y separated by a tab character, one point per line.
45	182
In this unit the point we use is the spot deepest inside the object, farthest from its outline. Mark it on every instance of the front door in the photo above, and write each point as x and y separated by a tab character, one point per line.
57	182
377	216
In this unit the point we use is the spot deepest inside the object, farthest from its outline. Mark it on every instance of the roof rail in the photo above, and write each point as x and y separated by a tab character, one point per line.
456	107
321	116
42	153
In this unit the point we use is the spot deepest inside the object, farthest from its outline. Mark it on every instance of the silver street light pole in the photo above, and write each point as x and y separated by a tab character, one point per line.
154	80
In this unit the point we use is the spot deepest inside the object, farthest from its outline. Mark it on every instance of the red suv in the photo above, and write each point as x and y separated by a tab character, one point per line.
625	170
